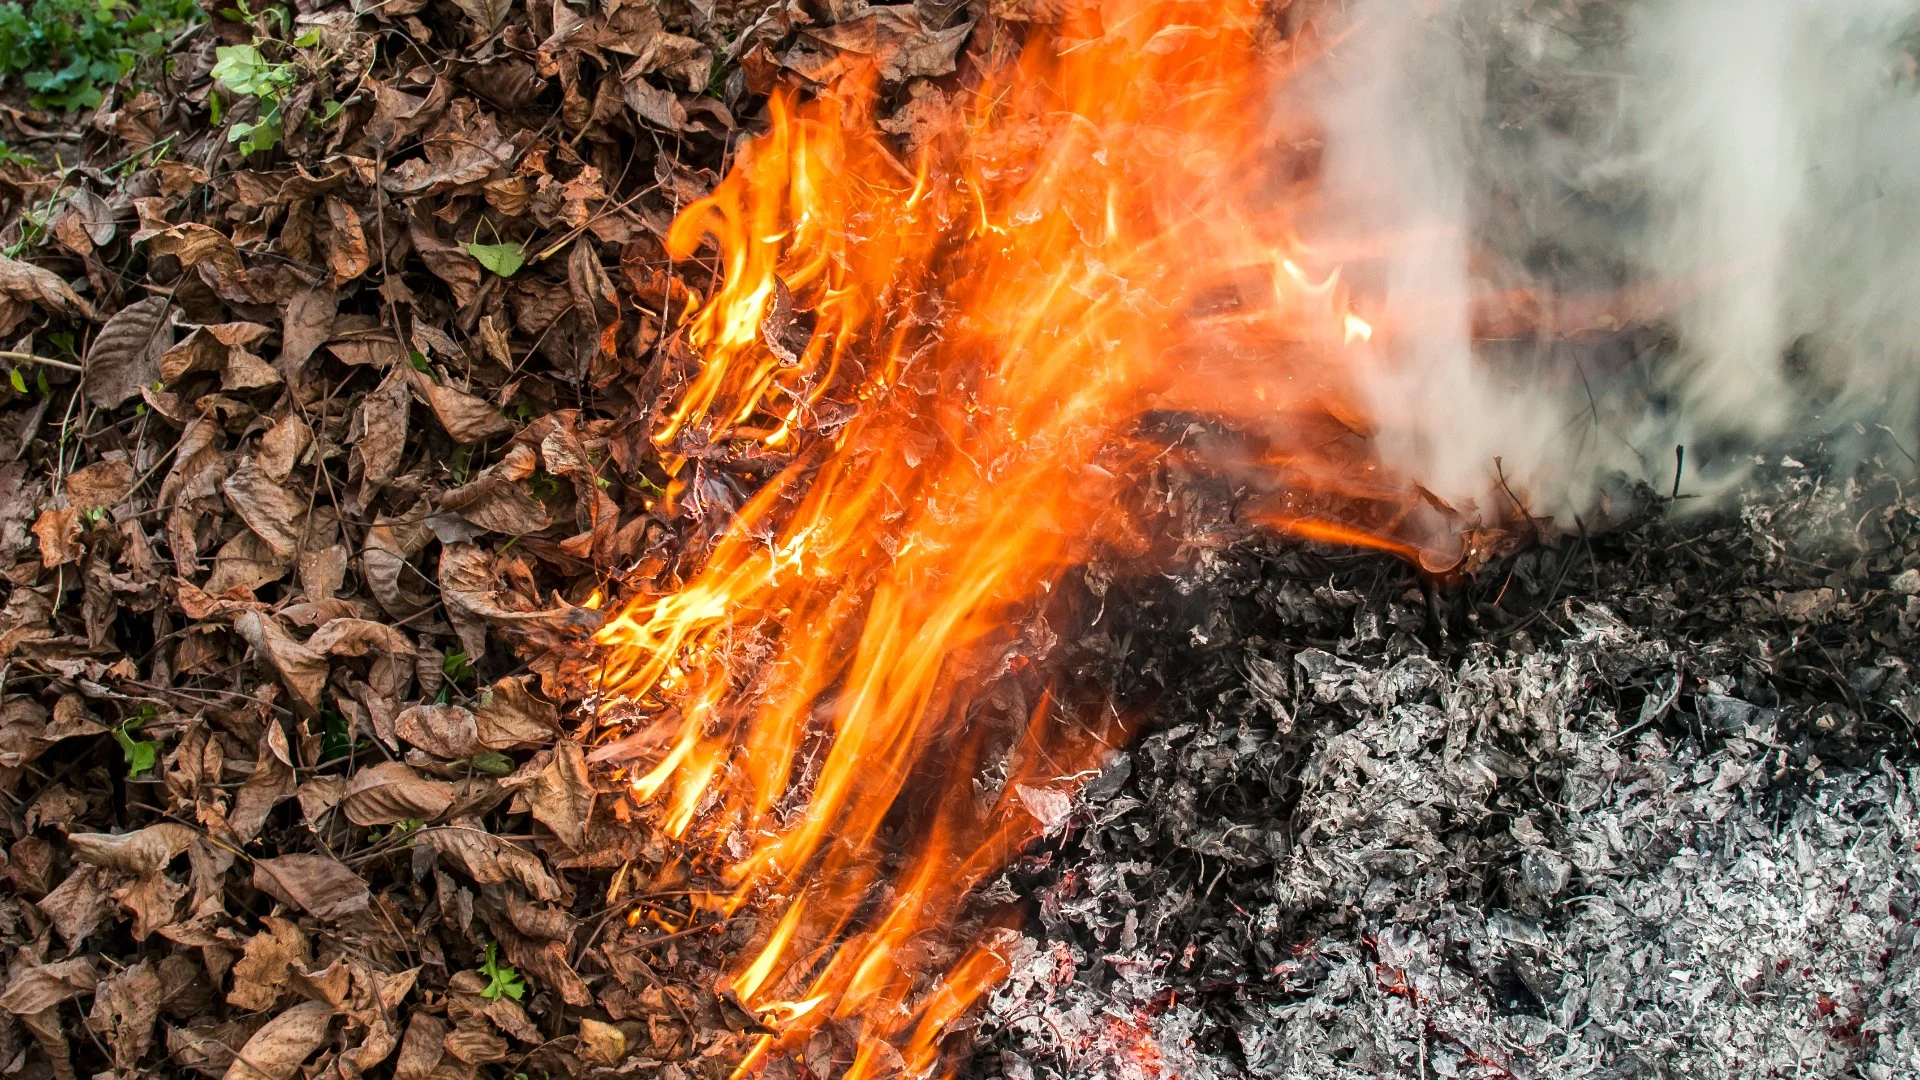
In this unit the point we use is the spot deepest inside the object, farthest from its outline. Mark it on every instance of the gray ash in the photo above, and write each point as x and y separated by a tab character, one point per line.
1641	804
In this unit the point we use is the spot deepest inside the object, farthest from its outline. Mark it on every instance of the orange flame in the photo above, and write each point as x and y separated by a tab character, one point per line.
844	679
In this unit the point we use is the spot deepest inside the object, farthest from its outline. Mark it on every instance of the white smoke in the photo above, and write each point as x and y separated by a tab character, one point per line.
1595	231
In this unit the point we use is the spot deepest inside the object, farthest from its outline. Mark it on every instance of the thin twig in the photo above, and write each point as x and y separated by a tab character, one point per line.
29	358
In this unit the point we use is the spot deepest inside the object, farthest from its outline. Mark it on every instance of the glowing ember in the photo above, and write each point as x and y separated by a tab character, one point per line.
838	711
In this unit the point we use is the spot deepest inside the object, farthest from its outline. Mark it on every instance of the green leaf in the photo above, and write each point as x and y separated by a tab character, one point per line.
493	763
141	754
503	259
418	359
18	380
502	980
308	40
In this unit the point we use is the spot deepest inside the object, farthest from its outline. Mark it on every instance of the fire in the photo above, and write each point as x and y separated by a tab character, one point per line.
838	709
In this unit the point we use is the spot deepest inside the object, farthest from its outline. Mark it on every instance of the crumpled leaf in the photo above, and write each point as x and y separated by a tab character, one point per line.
58	529
271	783
489	860
487	15
391	791
300	669
562	796
276	1050
497	505
140	852
125	354
445	731
104	483
47	985
260	977
38	285
78	906
467	418
320	885
510	717
125	1006
271	511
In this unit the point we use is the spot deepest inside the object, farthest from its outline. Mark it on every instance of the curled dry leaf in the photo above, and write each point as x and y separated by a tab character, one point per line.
489	860
391	791
360	637
445	731
260	977
300	669
46	985
271	511
510	717
466	418
276	1050
37	285
125	354
497	505
271	783
141	852
58	530
104	483
320	885
562	796
125	1006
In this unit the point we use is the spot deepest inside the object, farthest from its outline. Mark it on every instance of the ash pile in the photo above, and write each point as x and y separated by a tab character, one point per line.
1639	805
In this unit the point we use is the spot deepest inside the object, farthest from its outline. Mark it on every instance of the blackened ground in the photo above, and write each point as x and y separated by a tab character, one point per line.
1640	804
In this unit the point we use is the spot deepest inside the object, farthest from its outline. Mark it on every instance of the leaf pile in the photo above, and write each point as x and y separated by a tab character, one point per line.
330	374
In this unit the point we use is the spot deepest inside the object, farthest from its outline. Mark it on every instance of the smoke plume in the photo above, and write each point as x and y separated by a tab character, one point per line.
1592	232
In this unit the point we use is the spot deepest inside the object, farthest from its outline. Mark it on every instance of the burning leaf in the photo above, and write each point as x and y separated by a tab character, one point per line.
489	860
46	985
276	1050
125	354
322	886
391	791
503	259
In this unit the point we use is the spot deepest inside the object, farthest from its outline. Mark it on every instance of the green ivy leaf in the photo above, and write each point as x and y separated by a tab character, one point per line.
503	259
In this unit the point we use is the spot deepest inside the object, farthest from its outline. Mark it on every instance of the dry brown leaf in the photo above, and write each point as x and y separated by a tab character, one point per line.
391	791
104	483
276	1050
273	512
307	326
300	669
209	1050
496	505
445	731
359	637
380	431
487	15
37	285
320	885
59	532
141	852
562	796
282	447
489	860
245	562
125	1006
347	242
601	1043
46	985
260	977
475	1045
319	795
466	418
79	905
271	783
125	354
510	717
421	1048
